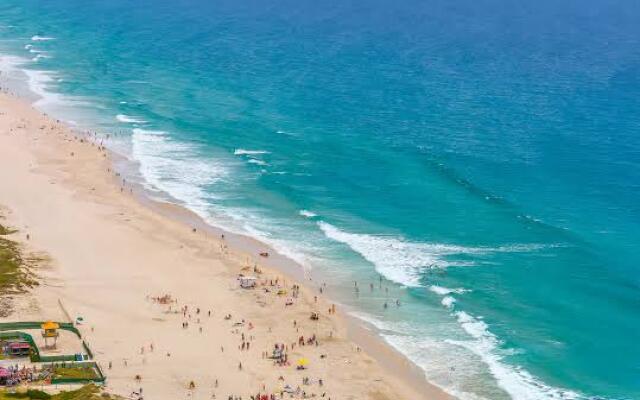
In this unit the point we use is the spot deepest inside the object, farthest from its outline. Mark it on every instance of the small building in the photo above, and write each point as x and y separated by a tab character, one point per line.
248	282
18	349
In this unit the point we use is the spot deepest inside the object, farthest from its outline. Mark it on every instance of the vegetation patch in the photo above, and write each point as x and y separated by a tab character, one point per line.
16	274
6	231
88	392
85	372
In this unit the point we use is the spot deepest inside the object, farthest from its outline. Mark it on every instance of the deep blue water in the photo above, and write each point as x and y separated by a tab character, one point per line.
482	156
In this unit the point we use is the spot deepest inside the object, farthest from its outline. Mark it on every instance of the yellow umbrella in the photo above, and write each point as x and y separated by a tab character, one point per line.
303	362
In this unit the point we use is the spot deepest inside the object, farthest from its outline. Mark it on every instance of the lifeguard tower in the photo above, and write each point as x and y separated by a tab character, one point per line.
50	333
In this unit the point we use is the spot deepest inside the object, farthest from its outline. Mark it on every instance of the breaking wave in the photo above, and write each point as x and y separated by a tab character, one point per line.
239	152
38	38
128	119
403	261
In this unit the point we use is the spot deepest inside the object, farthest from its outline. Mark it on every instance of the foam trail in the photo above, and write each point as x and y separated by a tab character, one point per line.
257	162
517	382
10	64
307	214
443	291
38	57
448	301
239	152
37	38
39	82
402	261
282	132
420	348
129	119
175	168
415	344
398	260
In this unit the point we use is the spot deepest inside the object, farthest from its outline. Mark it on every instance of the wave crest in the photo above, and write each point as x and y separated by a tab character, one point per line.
38	38
130	120
519	383
240	152
403	261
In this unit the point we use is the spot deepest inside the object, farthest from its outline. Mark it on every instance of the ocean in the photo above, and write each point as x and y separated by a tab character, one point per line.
472	166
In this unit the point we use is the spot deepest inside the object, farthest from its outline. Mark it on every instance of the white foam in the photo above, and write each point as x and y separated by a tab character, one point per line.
175	168
239	152
398	260
417	345
37	38
281	132
403	261
39	83
517	382
38	57
307	214
448	301
149	134
129	119
443	291
28	46
256	161
178	169
10	64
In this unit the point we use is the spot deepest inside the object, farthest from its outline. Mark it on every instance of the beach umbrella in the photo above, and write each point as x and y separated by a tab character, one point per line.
303	362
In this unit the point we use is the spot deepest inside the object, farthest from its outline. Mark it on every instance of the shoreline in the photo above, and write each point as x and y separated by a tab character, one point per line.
396	368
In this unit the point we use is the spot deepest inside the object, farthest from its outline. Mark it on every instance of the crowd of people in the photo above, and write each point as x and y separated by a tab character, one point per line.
15	375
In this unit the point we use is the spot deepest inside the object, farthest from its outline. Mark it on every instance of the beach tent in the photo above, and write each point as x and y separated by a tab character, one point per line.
248	282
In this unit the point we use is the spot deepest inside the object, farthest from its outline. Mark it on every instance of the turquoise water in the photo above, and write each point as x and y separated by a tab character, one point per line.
481	157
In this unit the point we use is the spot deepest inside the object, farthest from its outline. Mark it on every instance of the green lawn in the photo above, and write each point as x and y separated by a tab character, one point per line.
75	373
